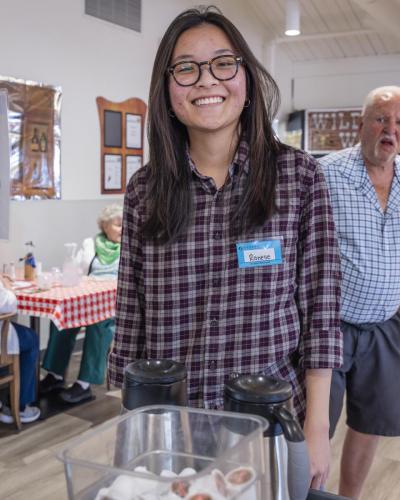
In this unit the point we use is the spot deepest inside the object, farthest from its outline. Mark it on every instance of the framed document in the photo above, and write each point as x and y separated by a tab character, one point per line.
133	131
133	163
112	172
112	129
121	133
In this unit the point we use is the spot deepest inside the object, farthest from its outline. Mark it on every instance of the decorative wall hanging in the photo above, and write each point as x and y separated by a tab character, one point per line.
121	129
35	138
328	130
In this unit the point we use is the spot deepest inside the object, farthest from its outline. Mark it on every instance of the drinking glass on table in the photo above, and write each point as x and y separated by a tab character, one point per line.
44	280
9	270
56	276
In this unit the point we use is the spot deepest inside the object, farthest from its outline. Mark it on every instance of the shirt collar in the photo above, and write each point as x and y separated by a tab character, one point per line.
239	163
355	171
397	167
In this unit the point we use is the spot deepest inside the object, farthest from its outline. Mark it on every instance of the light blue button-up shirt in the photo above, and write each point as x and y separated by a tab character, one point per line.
369	238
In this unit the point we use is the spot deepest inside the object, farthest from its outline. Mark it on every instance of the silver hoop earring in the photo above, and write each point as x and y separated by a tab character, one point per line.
246	103
171	113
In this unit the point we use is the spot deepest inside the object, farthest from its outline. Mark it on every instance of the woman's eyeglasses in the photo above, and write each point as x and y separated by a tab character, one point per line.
222	68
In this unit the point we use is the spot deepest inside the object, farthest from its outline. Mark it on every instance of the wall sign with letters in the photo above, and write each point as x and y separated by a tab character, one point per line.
328	130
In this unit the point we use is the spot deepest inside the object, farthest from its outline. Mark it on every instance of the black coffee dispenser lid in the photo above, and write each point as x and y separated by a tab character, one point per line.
154	371
258	389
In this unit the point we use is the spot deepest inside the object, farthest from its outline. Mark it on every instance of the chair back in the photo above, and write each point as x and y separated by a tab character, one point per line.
12	362
5	357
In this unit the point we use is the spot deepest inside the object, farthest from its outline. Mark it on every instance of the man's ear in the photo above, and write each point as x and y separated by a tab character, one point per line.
360	125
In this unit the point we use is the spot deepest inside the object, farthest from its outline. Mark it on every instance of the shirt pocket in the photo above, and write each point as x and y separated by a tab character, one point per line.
265	282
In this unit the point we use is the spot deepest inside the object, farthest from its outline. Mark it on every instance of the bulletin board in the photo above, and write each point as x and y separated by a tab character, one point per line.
122	133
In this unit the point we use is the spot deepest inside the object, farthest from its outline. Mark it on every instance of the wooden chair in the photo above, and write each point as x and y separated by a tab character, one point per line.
11	361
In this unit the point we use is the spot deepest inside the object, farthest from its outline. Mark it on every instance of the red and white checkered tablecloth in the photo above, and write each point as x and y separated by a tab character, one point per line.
90	302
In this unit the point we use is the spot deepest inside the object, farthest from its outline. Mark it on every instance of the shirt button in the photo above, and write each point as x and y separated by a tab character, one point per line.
216	281
214	322
212	365
217	235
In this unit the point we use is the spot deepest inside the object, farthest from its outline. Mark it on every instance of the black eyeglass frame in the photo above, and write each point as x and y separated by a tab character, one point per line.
238	60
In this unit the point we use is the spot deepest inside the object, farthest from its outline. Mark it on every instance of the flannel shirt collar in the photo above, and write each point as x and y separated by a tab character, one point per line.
239	163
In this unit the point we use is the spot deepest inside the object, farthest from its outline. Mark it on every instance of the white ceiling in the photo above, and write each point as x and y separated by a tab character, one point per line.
334	28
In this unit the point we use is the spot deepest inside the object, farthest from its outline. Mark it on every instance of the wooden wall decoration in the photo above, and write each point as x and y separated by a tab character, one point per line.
328	130
35	138
122	134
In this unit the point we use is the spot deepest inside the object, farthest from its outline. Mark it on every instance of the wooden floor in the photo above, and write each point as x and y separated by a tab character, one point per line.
30	470
383	482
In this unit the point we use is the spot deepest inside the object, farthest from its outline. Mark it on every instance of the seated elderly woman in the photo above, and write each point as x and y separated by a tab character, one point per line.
98	337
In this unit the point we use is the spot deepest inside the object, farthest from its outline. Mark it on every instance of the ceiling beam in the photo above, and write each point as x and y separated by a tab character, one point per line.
385	12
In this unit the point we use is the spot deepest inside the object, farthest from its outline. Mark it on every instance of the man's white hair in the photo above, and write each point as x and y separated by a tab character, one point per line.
108	213
384	93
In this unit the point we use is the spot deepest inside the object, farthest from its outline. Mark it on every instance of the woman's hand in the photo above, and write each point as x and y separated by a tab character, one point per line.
316	425
319	453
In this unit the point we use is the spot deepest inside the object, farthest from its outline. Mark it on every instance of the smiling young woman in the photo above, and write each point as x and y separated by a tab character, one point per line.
218	188
210	108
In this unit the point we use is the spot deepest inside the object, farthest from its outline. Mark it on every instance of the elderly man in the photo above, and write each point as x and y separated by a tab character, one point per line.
364	185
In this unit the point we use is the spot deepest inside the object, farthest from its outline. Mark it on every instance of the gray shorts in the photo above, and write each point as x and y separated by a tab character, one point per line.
371	377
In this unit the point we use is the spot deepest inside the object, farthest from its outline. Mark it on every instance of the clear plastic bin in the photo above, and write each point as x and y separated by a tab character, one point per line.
221	453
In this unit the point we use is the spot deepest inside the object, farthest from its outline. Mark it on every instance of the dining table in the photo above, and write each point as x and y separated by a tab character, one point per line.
91	301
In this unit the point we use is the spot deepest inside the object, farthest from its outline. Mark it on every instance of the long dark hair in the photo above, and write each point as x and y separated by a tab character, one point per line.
169	202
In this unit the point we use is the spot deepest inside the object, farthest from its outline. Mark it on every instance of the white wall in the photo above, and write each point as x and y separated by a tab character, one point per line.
334	82
54	42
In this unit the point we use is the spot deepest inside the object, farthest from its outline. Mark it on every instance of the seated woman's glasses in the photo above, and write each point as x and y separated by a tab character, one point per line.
222	68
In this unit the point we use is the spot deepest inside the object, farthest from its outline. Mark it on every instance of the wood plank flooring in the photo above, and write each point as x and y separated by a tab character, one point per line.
29	467
383	482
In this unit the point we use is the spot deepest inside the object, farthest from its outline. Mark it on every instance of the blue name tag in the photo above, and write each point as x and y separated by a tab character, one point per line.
259	253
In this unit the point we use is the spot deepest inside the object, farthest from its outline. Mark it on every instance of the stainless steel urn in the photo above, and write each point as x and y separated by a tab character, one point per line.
287	470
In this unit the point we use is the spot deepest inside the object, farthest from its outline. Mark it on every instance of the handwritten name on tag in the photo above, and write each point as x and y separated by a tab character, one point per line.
259	253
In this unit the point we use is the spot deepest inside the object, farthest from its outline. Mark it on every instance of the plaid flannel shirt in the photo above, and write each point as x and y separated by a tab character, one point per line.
189	300
368	238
